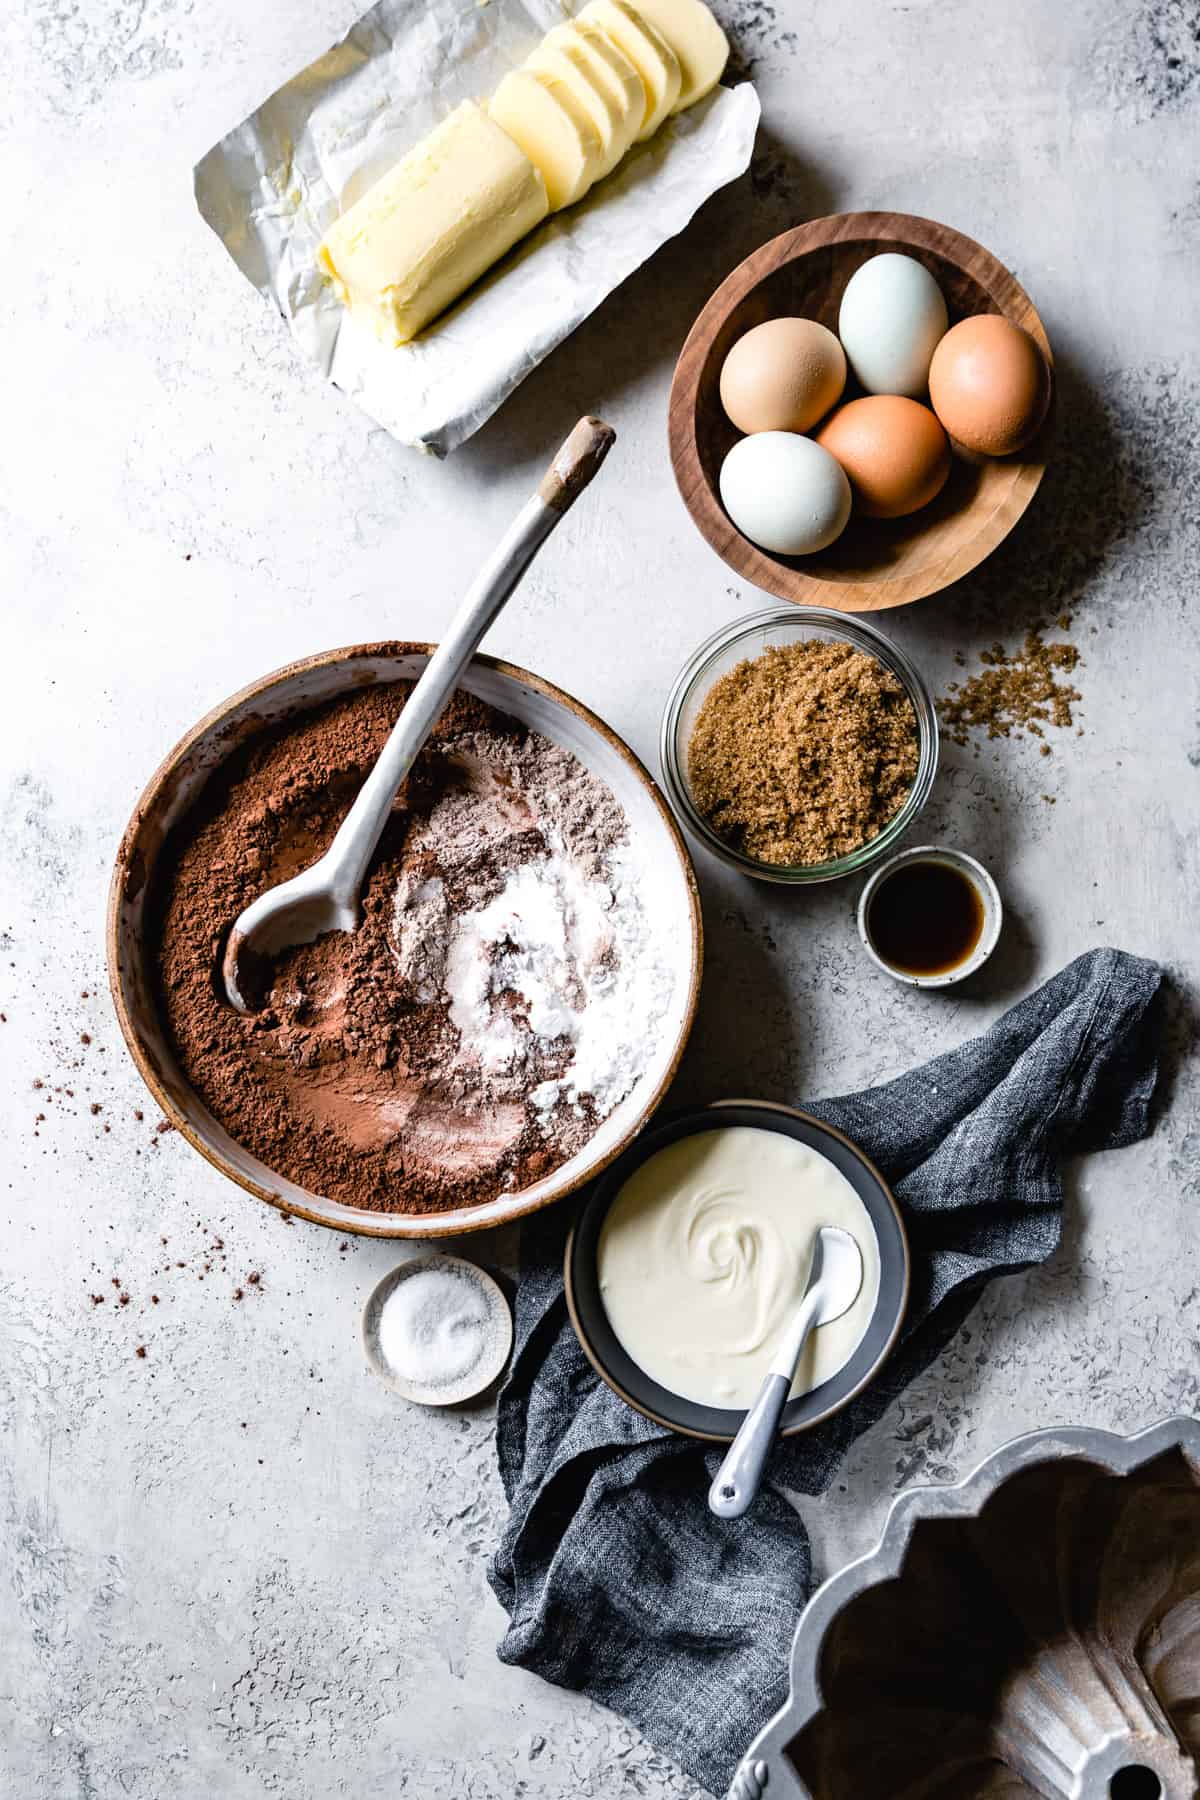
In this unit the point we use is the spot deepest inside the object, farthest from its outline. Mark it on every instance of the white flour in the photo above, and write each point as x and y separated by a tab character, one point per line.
582	956
530	913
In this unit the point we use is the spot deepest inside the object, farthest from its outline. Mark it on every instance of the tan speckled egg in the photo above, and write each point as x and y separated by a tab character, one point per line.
893	450
989	385
782	375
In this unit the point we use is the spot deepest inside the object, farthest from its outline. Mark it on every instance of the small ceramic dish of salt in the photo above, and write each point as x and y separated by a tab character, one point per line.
437	1330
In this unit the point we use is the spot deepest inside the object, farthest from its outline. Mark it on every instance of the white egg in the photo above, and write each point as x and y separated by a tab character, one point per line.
785	493
891	318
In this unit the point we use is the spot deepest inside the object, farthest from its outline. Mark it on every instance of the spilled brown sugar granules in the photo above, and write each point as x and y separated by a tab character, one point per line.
804	753
1021	692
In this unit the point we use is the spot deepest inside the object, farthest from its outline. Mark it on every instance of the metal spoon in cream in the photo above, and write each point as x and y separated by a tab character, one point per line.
704	1257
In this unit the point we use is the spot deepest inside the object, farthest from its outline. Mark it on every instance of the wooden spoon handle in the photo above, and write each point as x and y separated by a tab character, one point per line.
575	463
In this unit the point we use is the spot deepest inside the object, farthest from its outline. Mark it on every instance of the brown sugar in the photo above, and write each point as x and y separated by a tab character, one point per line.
804	753
1021	692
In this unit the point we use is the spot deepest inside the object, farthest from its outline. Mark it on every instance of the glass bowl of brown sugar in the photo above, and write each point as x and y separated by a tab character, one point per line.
799	745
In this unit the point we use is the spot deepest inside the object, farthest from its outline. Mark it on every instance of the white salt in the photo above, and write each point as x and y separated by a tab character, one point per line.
435	1327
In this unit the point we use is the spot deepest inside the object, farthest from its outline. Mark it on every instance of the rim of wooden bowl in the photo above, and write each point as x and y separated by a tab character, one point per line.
782	579
130	870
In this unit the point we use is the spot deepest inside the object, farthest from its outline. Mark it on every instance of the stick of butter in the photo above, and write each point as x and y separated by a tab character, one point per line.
432	225
616	112
696	39
648	51
554	129
612	66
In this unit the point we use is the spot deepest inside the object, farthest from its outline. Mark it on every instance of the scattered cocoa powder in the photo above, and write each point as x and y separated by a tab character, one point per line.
340	1082
804	753
1019	692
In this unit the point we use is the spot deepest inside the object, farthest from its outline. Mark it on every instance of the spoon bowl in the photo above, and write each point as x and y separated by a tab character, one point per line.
835	1276
296	912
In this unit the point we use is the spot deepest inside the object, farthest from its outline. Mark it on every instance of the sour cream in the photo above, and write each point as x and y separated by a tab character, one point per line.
704	1255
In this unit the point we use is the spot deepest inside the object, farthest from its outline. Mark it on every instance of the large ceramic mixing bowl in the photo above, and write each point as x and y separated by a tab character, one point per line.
1034	1630
174	789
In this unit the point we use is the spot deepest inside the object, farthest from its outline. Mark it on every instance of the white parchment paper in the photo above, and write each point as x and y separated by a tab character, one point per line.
271	188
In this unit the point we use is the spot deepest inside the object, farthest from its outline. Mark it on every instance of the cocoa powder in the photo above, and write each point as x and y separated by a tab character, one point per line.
348	1081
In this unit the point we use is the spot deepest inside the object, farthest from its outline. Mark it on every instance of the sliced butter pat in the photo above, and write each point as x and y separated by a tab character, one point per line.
552	126
696	39
433	224
647	50
613	68
562	54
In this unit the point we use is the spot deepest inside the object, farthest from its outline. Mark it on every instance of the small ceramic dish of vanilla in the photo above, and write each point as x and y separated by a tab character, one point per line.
930	916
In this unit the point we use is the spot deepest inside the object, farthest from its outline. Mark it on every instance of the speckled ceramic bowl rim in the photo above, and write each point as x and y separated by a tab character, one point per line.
981	880
130	867
719	1424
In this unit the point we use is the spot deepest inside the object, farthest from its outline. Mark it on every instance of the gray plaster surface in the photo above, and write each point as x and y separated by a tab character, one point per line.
238	1566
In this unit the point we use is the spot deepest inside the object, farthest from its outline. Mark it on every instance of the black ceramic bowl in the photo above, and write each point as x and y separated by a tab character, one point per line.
618	1369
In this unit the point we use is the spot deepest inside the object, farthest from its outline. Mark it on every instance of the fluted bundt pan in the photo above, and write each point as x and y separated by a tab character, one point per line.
1034	1630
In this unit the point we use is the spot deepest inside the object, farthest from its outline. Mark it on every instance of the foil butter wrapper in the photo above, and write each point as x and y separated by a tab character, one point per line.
271	188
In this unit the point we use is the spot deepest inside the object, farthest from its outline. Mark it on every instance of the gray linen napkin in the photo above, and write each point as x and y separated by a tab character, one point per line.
618	1581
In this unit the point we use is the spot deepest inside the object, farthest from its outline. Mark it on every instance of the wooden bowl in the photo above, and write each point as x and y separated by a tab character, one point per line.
174	789
875	563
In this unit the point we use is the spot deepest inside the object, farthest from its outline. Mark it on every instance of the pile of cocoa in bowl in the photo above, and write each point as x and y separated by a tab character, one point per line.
804	753
498	999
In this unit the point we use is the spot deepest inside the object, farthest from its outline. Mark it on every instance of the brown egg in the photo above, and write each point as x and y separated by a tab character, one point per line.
989	385
783	375
893	450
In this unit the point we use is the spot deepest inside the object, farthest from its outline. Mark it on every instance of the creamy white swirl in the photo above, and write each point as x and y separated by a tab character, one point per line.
719	1247
704	1254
